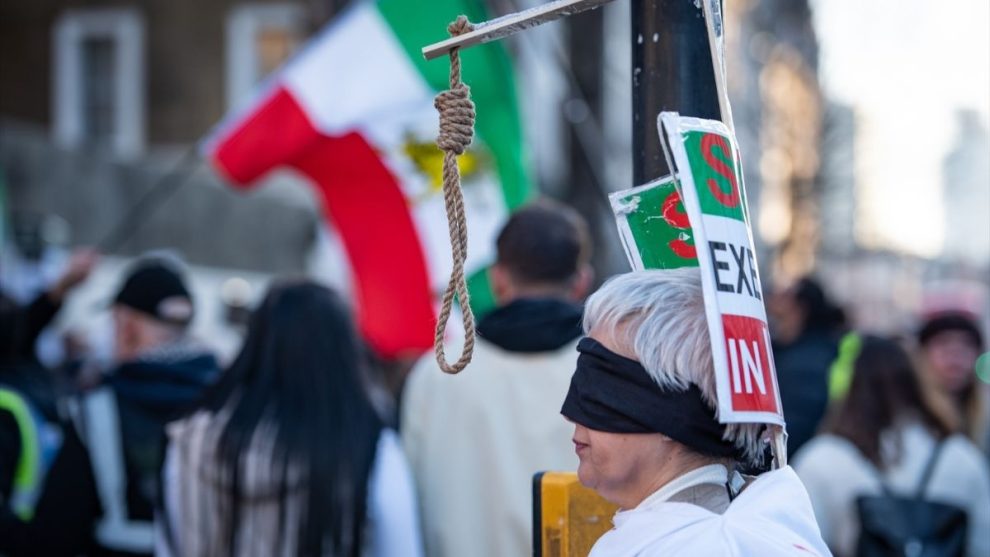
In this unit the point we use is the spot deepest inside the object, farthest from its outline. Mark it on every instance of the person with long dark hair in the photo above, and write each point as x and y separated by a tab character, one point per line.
287	455
883	437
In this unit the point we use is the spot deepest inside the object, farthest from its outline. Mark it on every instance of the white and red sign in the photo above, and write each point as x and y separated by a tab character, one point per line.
706	160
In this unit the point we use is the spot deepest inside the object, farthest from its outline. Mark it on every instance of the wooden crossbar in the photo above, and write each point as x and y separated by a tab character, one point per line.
511	24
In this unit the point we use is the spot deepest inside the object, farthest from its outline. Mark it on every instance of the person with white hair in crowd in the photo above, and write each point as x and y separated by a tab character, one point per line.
647	434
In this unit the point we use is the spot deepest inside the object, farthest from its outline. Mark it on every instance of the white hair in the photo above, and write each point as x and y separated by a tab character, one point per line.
660	317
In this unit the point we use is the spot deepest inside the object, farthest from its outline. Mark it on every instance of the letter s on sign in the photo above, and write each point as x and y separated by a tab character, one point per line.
674	214
708	143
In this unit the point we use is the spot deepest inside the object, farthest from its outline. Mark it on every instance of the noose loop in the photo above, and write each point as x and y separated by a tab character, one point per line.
456	131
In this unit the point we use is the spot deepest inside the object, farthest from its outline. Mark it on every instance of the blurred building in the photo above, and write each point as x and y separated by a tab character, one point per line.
102	102
778	109
99	100
126	77
837	181
966	192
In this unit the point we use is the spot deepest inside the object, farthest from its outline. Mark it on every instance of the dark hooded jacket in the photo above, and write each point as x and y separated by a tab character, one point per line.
152	391
68	506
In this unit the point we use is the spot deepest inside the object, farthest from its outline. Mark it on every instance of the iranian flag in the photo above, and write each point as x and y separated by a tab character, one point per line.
353	113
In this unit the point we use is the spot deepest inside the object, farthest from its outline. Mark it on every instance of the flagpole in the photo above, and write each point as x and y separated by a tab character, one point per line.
163	189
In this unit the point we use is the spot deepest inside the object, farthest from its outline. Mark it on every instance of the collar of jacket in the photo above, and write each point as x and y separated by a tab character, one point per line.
165	383
532	325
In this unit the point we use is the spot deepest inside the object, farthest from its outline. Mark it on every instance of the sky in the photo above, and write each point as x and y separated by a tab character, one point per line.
905	66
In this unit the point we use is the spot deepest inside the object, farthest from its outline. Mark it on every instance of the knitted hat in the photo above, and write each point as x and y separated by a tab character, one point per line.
157	290
950	321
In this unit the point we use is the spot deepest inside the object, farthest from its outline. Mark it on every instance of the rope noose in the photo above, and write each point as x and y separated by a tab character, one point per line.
456	131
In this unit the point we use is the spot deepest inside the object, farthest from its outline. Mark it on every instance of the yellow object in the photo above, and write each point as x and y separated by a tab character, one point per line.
568	518
428	160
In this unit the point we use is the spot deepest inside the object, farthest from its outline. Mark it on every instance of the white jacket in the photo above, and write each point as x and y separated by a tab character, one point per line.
835	473
474	441
772	517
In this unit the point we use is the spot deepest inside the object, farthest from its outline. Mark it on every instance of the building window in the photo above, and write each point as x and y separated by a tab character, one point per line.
260	37
99	81
98	98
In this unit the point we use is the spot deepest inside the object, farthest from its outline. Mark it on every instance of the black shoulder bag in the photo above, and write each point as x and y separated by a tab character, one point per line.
896	526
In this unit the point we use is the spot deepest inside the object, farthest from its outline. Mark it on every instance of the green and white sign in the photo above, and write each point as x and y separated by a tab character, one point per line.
709	178
654	226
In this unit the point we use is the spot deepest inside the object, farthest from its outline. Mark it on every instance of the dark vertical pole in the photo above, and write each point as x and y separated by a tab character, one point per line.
585	47
672	70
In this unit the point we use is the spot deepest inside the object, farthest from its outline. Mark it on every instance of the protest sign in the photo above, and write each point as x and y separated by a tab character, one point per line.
654	227
705	158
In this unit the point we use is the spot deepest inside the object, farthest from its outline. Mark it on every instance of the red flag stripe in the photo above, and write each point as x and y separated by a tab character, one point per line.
367	206
276	132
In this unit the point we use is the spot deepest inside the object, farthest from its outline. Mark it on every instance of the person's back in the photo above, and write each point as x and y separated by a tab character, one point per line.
805	344
196	502
835	473
286	455
475	440
802	375
885	435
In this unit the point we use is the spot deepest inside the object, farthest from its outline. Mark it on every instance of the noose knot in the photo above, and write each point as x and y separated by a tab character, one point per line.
456	119
460	26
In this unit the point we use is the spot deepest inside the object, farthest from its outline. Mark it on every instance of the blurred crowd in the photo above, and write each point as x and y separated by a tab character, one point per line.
306	443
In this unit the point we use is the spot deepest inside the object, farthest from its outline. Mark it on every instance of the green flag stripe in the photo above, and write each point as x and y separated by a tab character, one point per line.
485	68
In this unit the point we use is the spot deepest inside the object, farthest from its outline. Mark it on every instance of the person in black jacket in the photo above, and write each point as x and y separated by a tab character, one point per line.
806	328
48	502
160	373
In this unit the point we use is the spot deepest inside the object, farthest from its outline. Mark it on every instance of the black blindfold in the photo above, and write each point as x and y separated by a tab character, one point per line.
615	394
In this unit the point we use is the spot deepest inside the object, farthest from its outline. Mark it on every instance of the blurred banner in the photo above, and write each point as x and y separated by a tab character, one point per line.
353	112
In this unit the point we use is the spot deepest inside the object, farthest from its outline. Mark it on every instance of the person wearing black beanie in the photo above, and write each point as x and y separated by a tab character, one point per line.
950	342
160	372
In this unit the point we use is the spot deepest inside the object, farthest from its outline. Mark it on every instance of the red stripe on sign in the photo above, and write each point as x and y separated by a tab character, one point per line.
372	216
366	205
275	133
750	373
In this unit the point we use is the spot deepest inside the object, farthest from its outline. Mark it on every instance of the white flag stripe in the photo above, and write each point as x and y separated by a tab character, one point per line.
352	70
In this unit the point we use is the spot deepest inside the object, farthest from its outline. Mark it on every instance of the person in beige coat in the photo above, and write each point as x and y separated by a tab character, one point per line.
475	440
